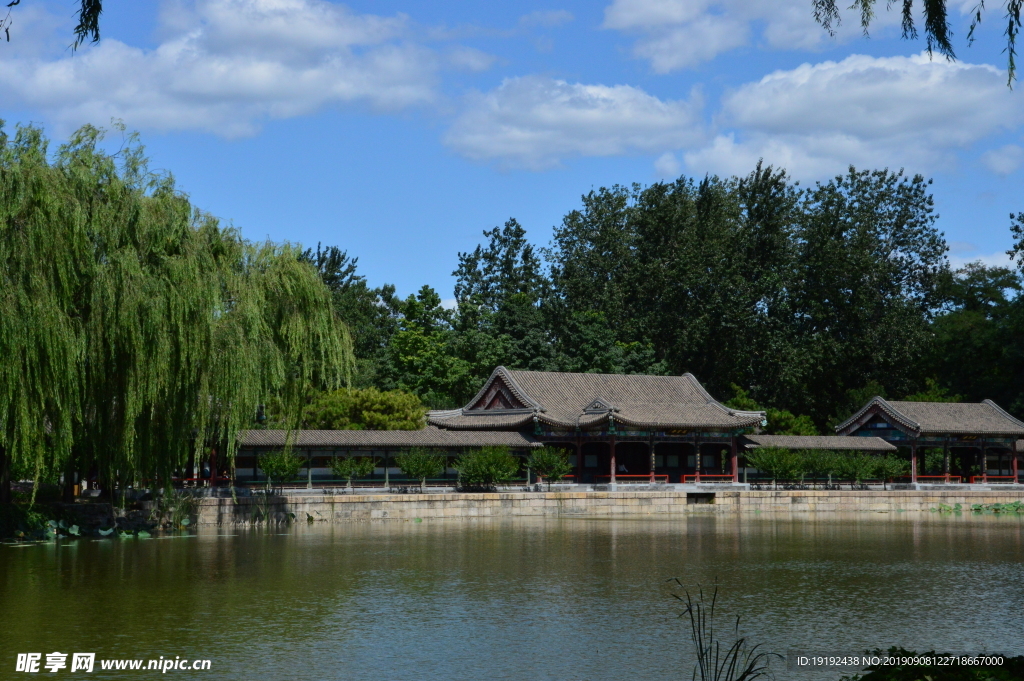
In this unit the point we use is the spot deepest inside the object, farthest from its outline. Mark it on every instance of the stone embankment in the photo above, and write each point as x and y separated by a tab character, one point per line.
610	504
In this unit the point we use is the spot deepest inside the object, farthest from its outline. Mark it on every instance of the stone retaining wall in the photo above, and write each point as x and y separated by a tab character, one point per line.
361	507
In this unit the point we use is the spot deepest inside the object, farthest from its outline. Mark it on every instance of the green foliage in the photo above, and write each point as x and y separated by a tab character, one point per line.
780	421
736	661
421	463
779	463
822	463
890	467
175	507
933	393
550	463
859	467
135	329
281	465
1011	669
937	31
364	409
1008	507
486	467
349	467
934	461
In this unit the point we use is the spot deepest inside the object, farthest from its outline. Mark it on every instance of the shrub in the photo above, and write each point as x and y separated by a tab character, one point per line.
352	467
421	463
550	463
486	467
281	465
364	409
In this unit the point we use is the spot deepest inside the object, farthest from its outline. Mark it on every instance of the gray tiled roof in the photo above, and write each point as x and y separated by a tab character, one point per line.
561	400
380	439
867	444
937	418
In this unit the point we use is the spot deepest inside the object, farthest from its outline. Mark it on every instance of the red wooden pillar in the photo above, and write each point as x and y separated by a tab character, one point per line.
650	452
984	462
734	461
579	459
913	462
611	449
1013	461
696	458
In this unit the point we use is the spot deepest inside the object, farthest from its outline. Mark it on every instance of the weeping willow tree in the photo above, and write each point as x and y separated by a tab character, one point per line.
136	331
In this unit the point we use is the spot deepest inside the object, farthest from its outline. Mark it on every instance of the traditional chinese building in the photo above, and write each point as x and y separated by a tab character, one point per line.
665	428
978	432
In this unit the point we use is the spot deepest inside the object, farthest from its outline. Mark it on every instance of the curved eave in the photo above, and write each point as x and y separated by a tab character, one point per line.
889	410
512	384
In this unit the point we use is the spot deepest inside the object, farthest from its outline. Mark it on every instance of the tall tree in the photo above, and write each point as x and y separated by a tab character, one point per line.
372	314
499	289
135	329
869	264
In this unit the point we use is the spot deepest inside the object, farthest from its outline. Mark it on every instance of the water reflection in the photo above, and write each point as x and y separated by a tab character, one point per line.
566	599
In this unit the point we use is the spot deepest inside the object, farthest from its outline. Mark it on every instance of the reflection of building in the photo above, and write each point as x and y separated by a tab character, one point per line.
977	440
616	426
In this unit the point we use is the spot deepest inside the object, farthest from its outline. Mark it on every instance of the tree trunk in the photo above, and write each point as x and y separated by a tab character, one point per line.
68	493
5	476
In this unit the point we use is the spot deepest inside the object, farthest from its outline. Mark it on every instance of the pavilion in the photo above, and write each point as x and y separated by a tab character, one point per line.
973	429
624	427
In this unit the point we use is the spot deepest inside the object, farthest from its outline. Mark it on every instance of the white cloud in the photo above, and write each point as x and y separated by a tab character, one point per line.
470	59
535	122
545	19
998	259
1004	160
227	65
667	165
676	34
897	111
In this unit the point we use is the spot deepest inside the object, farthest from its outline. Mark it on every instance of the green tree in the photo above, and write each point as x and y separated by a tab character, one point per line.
364	409
421	463
870	263
859	467
136	330
822	462
486	467
281	465
372	314
890	467
933	393
780	421
349	467
499	289
978	350
779	463
550	463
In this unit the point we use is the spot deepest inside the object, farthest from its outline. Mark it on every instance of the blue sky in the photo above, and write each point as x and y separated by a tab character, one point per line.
400	130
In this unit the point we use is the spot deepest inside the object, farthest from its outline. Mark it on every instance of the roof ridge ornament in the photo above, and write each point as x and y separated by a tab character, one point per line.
599	405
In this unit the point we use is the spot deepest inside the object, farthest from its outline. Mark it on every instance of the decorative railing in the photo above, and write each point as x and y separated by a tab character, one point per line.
633	478
707	477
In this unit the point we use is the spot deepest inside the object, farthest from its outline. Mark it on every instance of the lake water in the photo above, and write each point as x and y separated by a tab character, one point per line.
513	599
